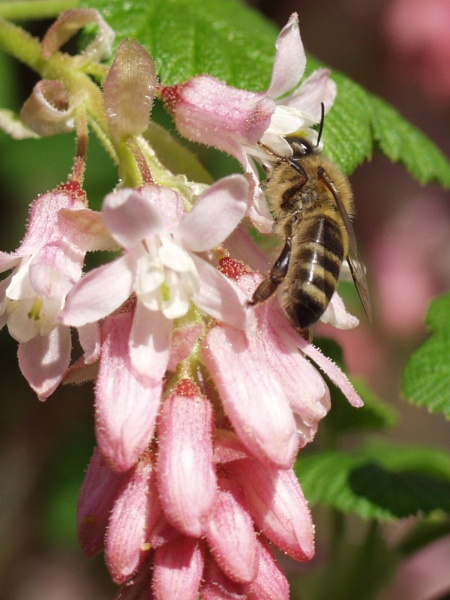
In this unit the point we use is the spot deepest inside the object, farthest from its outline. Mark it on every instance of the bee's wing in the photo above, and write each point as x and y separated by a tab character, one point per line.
356	267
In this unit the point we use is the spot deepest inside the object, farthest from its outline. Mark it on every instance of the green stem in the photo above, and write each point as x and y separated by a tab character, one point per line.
21	45
35	9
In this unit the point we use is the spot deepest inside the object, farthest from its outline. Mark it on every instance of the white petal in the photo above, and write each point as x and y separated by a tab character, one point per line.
149	273
99	293
174	257
290	59
336	314
318	88
149	344
45	359
219	297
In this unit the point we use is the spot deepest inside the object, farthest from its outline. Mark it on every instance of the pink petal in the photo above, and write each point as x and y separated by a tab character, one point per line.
45	359
277	505
99	293
220	297
85	229
292	337
215	215
126	405
271	582
318	88
129	90
100	487
253	399
178	570
242	247
149	345
290	60
227	447
230	534
130	217
304	387
337	376
186	477
167	203
133	516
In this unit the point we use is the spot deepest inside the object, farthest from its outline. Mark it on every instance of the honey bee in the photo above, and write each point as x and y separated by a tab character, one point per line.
312	202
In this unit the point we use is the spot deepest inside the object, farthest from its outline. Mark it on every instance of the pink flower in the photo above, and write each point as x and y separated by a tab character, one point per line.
186	477
126	403
100	488
206	110
162	266
271	393
174	525
45	267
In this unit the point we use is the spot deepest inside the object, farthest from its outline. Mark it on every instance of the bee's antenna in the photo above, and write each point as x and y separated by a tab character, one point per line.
322	121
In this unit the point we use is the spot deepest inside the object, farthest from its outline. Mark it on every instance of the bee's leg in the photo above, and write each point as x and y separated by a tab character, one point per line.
276	276
306	334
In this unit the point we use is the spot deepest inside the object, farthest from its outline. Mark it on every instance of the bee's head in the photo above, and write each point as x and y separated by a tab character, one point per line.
301	147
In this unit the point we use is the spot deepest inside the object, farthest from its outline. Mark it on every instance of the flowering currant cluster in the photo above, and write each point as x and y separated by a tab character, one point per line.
202	402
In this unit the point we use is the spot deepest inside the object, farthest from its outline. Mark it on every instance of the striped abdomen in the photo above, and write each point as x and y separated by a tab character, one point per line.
318	252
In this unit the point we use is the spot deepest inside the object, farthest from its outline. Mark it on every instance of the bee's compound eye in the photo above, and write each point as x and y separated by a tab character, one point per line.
301	147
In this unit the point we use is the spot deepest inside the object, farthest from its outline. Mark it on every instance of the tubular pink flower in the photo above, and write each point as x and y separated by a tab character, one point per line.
230	534
186	476
305	390
134	515
271	582
277	505
206	110
100	487
126	404
178	569
45	267
253	398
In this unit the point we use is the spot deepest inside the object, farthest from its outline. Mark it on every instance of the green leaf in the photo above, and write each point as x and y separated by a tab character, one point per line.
401	141
380	482
233	42
225	39
426	378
